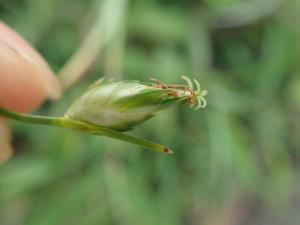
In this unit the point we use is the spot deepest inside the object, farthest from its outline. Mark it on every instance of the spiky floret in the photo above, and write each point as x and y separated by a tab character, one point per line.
120	105
194	97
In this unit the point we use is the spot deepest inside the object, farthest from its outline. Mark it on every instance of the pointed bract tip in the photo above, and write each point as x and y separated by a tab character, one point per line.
168	151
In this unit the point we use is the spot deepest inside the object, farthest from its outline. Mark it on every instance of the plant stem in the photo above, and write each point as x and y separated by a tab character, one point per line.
84	127
110	17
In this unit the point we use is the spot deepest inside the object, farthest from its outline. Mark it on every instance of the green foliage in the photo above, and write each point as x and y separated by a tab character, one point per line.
236	162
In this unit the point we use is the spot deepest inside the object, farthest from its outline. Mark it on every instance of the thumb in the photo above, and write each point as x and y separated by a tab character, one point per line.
25	78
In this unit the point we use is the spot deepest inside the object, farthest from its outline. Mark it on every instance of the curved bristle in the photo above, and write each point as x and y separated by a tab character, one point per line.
197	85
203	93
188	80
203	102
198	104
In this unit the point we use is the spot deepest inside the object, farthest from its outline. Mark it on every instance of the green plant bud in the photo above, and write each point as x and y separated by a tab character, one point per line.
120	105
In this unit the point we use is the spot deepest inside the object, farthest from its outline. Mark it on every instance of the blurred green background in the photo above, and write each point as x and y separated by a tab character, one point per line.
235	162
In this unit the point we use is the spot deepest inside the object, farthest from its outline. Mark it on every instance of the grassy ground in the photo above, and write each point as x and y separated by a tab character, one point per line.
235	162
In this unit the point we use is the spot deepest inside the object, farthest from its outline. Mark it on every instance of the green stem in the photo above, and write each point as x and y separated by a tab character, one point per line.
110	17
84	127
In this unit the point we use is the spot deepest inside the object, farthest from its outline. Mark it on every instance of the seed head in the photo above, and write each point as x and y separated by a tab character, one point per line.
120	105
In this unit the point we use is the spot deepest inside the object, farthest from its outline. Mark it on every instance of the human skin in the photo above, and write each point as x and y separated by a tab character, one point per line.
26	81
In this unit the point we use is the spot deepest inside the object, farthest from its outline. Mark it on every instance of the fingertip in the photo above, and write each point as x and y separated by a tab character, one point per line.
26	78
21	87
